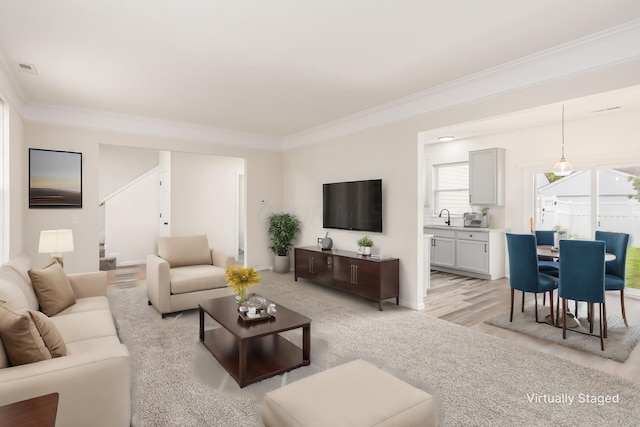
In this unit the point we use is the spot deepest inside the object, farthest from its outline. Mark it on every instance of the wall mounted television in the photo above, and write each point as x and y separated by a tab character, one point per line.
353	205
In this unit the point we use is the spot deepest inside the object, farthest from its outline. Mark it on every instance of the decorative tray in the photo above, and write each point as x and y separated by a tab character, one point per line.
262	306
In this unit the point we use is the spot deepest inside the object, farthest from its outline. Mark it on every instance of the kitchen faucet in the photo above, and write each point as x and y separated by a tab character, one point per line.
448	221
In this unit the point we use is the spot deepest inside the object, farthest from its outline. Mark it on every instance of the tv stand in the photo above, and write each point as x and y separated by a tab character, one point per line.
375	278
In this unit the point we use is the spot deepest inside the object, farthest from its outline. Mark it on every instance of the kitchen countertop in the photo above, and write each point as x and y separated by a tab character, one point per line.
457	228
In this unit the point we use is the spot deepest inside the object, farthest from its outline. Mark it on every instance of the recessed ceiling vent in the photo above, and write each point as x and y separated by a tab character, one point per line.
27	68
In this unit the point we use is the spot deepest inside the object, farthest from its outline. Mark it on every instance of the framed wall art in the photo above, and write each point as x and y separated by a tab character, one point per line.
55	179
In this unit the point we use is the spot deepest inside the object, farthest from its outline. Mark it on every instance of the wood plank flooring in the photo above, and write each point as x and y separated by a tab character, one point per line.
469	302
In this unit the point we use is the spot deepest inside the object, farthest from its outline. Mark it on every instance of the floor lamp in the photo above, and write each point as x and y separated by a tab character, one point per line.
56	242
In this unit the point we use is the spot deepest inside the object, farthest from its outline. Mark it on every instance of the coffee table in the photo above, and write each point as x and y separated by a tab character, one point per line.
253	351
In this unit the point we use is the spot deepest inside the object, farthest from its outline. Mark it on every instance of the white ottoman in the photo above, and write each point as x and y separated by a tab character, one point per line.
355	394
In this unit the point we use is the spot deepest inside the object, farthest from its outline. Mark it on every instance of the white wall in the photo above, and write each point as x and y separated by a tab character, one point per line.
120	165
204	198
263	177
375	153
131	221
15	182
395	153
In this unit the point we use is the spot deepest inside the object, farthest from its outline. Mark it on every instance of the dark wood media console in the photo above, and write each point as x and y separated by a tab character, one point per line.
376	278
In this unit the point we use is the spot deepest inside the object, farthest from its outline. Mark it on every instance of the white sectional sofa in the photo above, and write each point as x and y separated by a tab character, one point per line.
93	379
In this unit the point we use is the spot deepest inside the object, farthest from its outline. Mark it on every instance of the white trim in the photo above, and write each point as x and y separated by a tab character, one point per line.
139	125
607	48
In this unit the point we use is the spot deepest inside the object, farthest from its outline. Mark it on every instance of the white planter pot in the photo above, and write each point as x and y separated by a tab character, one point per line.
365	250
281	264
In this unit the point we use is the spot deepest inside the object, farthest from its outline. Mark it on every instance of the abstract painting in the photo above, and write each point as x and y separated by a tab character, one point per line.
55	179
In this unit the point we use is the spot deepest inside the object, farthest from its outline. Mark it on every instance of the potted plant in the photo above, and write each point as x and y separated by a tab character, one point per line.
282	230
365	244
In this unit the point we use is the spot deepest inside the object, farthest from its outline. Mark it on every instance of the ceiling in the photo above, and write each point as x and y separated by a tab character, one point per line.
273	68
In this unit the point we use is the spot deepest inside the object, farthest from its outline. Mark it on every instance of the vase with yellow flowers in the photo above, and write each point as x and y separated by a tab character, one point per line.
240	278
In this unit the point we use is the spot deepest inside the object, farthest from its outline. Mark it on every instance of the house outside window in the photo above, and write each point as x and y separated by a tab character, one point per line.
451	188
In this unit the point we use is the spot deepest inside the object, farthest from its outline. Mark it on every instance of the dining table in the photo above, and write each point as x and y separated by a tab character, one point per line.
553	252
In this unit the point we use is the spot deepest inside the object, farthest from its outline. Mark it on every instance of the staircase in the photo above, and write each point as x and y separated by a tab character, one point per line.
122	277
106	263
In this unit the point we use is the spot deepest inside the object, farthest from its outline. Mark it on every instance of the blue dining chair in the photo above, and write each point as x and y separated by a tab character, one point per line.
615	243
547	265
524	273
582	278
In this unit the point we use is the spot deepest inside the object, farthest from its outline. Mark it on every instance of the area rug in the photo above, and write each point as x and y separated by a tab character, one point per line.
618	345
477	379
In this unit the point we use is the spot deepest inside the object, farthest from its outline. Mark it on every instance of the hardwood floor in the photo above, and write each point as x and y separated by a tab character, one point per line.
469	302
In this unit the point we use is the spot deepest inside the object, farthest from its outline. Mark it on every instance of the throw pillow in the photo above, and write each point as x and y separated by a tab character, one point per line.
49	333
53	289
20	337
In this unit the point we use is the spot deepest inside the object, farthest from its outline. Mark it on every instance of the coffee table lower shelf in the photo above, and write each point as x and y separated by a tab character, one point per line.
270	355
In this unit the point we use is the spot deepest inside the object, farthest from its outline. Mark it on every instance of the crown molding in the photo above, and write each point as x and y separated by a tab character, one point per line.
139	125
600	50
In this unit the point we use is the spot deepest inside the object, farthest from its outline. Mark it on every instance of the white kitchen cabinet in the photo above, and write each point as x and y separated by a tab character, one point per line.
443	247
472	251
468	251
486	177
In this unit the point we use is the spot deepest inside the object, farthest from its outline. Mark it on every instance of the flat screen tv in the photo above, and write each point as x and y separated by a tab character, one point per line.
354	205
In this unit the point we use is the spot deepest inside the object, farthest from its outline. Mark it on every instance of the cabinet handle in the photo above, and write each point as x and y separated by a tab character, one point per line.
356	273
485	247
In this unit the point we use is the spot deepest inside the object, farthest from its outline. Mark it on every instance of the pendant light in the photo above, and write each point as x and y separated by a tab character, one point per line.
562	168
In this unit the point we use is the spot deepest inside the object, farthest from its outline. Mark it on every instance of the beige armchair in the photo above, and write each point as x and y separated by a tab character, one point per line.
184	272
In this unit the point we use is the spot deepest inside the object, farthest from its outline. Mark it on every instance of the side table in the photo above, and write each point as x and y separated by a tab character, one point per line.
37	412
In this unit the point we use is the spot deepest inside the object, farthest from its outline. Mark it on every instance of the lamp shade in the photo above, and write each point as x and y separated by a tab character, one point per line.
55	241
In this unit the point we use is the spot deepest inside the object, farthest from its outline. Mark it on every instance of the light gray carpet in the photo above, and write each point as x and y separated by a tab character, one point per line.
618	345
479	380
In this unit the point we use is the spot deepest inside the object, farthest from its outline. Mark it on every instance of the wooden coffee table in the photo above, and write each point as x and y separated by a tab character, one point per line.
253	351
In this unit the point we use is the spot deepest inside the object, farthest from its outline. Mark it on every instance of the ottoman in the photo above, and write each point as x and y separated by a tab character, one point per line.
354	394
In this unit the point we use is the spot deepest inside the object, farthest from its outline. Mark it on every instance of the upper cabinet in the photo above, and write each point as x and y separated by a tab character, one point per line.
486	177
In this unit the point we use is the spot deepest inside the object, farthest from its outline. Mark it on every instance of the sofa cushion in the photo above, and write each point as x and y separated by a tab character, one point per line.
87	304
85	325
196	278
52	288
10	292
26	335
183	251
24	286
21	265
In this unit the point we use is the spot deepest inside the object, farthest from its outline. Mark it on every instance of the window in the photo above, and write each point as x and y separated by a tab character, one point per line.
451	188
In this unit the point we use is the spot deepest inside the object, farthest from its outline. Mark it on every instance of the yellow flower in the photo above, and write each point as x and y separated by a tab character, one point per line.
240	278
